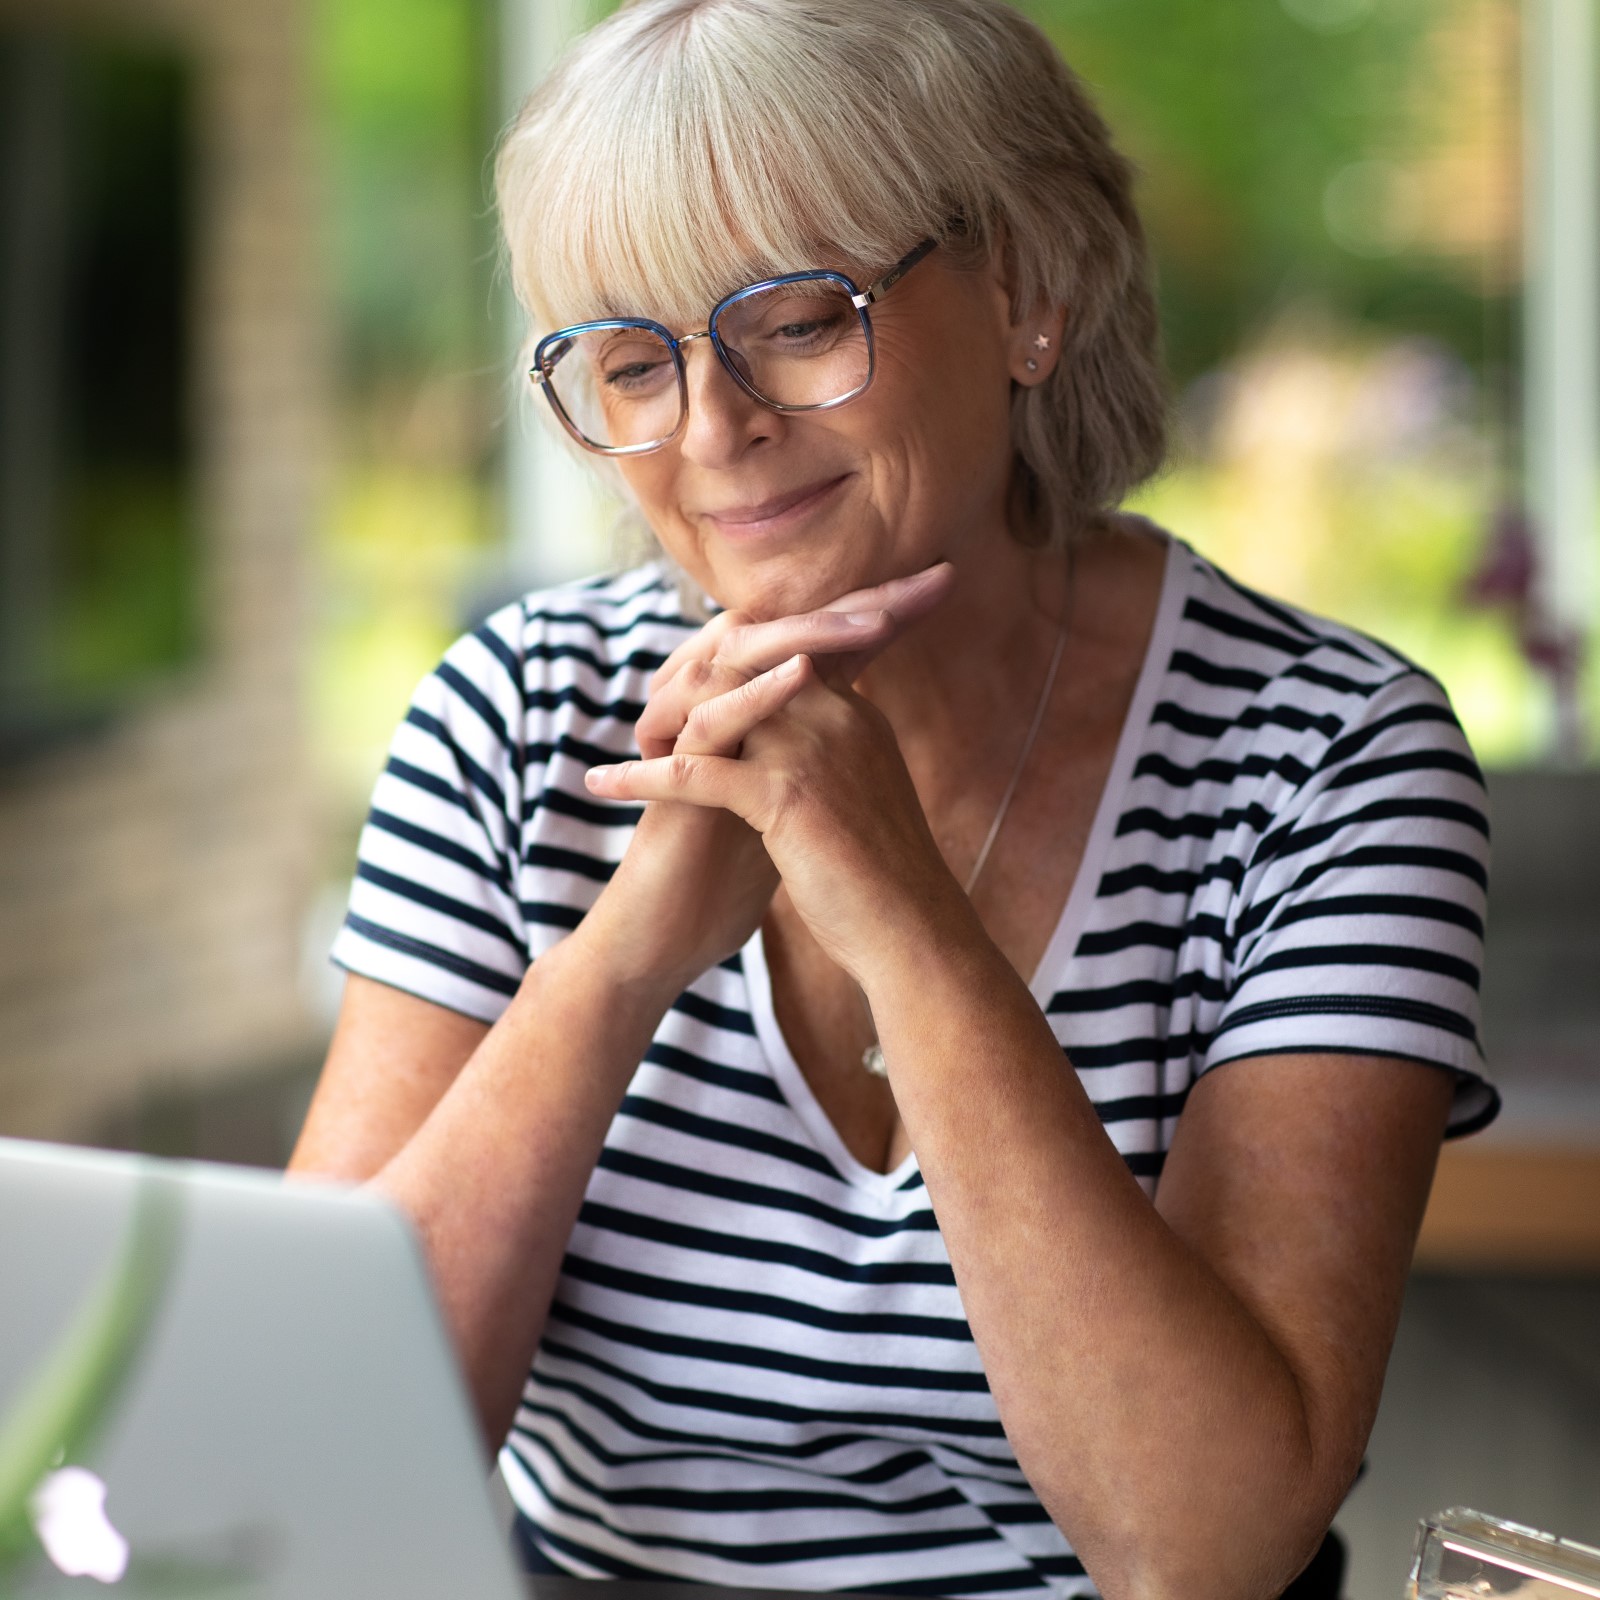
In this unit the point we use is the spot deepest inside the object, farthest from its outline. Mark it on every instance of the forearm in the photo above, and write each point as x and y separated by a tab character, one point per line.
1154	1416
494	1177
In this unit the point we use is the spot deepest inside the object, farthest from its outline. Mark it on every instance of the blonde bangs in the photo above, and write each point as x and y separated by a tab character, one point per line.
684	148
669	160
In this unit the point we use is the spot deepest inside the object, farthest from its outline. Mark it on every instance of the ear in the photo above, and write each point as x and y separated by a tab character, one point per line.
1035	344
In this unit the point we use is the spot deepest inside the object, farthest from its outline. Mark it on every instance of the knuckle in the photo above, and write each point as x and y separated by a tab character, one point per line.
736	641
825	623
657	724
696	675
784	796
680	770
729	626
765	691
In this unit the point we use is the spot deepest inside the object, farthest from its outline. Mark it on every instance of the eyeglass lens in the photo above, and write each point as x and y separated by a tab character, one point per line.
793	344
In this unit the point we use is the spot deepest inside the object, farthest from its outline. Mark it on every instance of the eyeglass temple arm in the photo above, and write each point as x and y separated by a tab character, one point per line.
874	291
554	354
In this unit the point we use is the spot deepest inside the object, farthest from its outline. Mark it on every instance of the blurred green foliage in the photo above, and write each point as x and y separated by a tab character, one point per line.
406	98
127	583
405	92
1239	114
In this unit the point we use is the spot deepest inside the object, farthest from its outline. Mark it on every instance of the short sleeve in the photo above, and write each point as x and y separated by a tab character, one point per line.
433	908
1358	925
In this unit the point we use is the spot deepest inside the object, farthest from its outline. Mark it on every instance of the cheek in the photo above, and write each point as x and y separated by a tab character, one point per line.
650	485
653	485
950	442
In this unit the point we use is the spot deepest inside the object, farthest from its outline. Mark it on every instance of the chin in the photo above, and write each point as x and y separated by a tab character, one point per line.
787	587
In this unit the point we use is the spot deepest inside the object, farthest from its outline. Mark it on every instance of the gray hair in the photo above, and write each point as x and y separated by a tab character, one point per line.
683	148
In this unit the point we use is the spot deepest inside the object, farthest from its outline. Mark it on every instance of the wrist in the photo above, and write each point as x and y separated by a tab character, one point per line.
605	953
938	940
944	1003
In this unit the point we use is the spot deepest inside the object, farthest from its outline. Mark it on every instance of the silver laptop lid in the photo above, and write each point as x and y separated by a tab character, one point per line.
254	1371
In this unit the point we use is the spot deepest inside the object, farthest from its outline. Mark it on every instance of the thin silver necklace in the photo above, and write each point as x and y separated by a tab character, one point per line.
872	1056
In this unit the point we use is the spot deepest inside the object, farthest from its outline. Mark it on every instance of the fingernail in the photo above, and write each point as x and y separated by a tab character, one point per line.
789	668
864	619
595	776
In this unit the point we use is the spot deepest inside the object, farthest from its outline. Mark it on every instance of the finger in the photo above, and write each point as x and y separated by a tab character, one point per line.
700	645
697	780
855	627
842	636
760	646
906	598
719	726
668	709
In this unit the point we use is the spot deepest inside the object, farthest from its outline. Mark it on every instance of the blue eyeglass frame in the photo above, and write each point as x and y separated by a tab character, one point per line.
553	346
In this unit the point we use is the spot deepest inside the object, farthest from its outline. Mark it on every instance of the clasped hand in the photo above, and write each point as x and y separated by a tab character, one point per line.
760	761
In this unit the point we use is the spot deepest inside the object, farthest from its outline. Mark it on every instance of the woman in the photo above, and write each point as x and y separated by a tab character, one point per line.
714	1080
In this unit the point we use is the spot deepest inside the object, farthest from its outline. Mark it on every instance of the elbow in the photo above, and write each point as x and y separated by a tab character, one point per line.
1249	1543
1243	1564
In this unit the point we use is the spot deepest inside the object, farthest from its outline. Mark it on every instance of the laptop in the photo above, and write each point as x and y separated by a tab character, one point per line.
215	1383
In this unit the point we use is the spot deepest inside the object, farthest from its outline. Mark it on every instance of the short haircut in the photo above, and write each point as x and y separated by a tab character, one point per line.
683	148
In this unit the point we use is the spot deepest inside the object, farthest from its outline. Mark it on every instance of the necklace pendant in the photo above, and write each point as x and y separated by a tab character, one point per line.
872	1060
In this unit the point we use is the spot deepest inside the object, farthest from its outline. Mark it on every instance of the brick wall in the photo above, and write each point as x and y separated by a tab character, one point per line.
154	878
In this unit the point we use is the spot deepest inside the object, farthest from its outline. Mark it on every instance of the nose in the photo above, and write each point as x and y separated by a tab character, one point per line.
723	421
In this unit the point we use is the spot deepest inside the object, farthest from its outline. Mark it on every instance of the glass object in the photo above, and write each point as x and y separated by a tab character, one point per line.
1465	1555
801	342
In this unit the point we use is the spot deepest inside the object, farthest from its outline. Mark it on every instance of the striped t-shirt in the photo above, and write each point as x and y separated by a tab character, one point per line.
756	1368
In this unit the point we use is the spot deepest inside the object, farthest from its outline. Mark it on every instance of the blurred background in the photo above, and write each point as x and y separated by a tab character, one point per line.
264	453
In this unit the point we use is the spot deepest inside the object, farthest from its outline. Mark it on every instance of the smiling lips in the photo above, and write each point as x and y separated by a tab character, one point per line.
770	511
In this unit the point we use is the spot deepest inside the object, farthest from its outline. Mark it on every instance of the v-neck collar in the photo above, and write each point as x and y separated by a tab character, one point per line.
1063	943
1175	581
797	1091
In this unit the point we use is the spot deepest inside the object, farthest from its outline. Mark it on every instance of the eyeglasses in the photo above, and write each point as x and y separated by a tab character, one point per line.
802	342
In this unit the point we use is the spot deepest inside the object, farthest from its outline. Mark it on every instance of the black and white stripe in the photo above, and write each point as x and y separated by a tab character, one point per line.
757	1369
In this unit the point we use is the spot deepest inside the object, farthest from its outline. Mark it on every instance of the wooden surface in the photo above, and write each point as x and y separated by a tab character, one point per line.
1500	1207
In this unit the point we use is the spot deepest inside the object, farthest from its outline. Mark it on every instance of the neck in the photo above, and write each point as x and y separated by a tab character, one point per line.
968	675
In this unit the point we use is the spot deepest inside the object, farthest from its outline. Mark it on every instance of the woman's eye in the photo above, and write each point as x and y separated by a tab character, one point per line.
798	332
632	374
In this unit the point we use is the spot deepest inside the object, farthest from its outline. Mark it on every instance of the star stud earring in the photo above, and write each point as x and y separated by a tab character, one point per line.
1041	341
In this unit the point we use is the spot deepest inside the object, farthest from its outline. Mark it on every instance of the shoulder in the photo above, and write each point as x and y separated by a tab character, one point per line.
1292	696
1320	797
606	625
580	653
1254	644
1284	751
